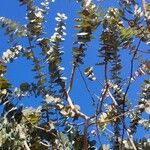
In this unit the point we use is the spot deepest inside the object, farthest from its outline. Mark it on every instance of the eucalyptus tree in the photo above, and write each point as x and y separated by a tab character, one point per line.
123	33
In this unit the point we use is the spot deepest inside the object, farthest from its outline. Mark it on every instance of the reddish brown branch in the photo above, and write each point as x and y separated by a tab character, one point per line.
89	91
71	79
85	146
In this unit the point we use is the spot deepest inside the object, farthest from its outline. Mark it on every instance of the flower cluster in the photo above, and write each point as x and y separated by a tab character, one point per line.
12	53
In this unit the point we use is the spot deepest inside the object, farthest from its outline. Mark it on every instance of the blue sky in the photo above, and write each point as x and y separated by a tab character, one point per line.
20	70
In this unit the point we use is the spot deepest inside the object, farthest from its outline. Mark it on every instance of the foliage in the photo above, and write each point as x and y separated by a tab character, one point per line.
59	123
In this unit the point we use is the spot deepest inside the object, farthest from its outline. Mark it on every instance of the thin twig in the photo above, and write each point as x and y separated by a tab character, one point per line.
128	86
74	66
105	88
131	69
89	91
146	52
131	139
69	100
113	99
97	130
109	93
109	131
144	6
71	79
37	127
101	99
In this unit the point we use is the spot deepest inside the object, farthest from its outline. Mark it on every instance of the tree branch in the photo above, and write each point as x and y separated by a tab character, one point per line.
85	147
71	79
89	91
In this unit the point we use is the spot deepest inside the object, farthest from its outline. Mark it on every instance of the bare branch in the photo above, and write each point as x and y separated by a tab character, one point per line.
71	79
89	91
131	140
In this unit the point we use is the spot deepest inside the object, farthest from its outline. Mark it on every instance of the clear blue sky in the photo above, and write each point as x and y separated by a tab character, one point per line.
20	70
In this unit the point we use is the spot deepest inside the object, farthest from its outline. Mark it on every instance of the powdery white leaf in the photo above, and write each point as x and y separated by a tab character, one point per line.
82	34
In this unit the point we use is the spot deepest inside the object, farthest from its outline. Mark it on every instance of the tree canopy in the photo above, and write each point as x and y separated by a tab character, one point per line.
109	60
